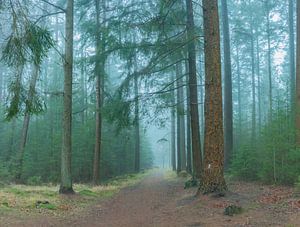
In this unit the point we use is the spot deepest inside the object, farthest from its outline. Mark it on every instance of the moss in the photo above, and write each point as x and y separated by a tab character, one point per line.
48	206
191	183
183	174
232	210
5	204
87	192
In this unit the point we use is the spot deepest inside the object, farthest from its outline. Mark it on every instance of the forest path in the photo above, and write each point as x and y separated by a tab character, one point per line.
149	203
160	200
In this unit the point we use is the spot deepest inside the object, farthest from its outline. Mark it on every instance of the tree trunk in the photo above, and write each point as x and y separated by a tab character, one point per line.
292	58
194	112
258	83
213	178
137	124
298	77
173	142
239	90
26	121
269	65
180	118
253	130
188	128
228	127
1	86
98	71
66	176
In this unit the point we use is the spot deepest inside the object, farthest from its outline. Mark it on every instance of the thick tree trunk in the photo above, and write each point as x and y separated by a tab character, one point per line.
180	118
228	127
194	112
66	176
26	121
213	177
298	77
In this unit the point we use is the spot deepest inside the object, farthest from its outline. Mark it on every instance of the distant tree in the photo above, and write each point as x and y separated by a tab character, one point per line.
193	93
298	76
292	58
228	122
181	148
99	76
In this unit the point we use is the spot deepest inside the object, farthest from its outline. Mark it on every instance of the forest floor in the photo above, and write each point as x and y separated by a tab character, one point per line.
159	199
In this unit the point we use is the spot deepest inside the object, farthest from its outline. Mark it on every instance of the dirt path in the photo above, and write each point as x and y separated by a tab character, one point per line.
159	201
142	205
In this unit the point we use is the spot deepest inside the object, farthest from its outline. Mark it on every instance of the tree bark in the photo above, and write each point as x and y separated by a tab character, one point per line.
188	128
66	176
180	118
298	77
173	142
136	123
253	130
269	63
292	59
239	94
258	83
98	74
1	85
228	127
213	178
194	112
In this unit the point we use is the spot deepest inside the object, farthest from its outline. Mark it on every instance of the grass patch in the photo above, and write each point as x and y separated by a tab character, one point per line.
48	206
87	192
25	199
170	175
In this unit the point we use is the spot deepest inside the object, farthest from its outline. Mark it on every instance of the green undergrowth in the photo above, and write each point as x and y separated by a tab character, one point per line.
45	199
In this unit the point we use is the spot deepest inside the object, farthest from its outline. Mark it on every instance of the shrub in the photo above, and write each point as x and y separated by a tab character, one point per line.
34	181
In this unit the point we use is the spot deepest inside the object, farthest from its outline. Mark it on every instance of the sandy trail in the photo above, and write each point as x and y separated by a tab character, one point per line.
161	202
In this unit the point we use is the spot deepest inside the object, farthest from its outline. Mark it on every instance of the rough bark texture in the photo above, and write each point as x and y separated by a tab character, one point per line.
228	128
194	112
66	176
213	177
298	77
26	121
